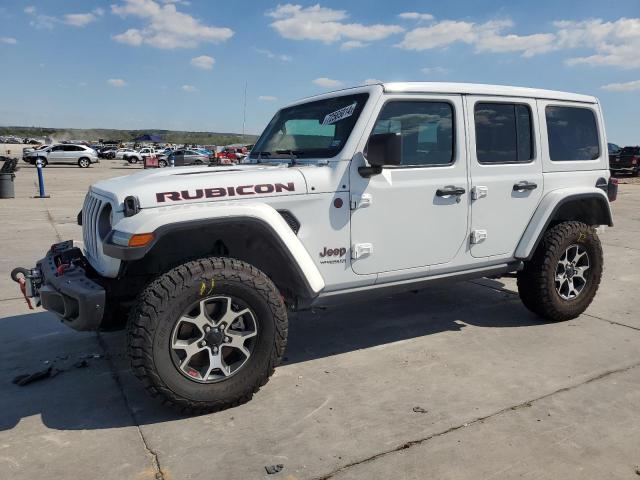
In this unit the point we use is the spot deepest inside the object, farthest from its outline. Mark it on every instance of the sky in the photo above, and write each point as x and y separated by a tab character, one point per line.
184	65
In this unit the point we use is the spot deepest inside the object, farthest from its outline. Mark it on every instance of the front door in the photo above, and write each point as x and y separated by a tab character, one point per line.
414	214
506	171
56	154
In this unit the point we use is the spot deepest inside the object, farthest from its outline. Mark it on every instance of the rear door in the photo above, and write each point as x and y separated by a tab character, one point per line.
506	171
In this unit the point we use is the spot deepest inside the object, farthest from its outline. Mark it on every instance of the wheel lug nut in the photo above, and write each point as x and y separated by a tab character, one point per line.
227	339
215	349
203	344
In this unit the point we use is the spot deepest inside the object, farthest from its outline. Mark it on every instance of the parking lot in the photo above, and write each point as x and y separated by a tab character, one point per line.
456	382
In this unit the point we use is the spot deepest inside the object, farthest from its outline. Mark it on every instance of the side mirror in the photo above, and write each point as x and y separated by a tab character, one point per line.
382	149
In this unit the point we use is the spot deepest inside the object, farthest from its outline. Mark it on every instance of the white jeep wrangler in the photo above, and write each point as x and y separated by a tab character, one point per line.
361	192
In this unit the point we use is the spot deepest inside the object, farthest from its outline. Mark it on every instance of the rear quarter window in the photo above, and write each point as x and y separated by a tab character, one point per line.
572	133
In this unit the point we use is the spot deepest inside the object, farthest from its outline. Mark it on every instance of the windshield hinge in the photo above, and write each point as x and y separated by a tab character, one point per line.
363	200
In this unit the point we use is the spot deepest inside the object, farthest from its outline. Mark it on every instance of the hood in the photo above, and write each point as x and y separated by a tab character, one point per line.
174	186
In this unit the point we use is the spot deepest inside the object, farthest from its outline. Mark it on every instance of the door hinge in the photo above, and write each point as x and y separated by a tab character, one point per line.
478	236
360	250
479	191
358	201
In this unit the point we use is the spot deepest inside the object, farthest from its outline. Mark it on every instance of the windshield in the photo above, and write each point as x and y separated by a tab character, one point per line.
310	130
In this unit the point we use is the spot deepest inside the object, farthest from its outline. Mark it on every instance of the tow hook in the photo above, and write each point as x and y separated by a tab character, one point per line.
29	281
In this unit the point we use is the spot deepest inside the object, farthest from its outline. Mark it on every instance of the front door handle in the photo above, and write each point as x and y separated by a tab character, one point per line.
524	186
450	190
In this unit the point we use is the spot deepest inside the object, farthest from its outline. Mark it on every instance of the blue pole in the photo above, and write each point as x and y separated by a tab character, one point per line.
40	179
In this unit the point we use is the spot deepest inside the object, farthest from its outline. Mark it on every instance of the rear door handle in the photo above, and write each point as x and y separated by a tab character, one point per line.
524	186
450	190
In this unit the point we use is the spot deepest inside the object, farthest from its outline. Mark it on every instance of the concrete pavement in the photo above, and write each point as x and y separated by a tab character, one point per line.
455	382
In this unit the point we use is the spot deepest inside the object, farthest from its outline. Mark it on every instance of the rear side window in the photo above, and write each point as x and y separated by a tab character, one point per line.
503	133
572	133
426	129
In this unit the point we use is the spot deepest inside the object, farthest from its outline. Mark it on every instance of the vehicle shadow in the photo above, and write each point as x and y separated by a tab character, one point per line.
93	397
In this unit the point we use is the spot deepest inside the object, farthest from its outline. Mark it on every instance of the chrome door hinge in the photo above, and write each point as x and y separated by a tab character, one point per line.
360	250
358	201
478	236
479	191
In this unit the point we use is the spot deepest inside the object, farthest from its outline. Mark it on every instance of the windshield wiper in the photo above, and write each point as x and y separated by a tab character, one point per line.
293	154
262	154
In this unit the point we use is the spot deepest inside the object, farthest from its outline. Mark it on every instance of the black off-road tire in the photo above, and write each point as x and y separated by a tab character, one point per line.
536	282
159	306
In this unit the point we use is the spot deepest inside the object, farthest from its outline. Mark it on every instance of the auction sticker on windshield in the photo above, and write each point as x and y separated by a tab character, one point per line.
338	115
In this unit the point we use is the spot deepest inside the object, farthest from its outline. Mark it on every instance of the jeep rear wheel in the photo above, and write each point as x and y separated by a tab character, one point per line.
562	278
208	334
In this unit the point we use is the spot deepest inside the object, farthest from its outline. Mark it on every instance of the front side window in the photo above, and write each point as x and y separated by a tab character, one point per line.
311	130
426	130
503	133
572	133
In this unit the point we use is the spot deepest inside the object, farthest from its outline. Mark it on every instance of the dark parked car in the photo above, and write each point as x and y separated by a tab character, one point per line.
627	161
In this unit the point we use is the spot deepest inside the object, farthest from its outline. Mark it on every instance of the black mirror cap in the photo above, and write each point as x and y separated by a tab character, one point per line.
384	149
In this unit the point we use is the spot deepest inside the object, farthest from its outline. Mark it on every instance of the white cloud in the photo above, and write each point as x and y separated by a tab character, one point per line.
79	19
324	24
416	16
116	82
203	62
327	82
273	56
615	44
165	27
438	35
188	88
622	87
39	21
267	98
486	37
8	40
372	81
434	70
351	44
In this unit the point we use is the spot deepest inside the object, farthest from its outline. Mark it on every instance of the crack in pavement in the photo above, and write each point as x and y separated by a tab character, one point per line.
528	403
159	474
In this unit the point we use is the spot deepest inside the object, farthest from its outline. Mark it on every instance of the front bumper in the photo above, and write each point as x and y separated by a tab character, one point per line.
65	288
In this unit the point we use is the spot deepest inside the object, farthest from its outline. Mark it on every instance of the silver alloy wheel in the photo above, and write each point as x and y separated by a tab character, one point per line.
213	339
83	162
570	276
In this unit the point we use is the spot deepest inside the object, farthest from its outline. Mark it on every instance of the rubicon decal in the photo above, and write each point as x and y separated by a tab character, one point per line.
217	192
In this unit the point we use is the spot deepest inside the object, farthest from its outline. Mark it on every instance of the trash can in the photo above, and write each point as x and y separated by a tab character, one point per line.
6	185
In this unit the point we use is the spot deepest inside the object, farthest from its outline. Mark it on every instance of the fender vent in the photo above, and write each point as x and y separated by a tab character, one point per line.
292	221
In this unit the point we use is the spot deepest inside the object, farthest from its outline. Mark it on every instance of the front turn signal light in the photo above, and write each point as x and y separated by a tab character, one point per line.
140	239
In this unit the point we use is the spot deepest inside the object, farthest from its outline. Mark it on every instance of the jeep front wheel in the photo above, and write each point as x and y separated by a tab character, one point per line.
562	278
208	334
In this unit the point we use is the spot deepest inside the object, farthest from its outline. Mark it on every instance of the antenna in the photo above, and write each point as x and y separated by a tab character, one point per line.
244	109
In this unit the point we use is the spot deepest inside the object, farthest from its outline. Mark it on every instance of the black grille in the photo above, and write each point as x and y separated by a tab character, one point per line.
292	221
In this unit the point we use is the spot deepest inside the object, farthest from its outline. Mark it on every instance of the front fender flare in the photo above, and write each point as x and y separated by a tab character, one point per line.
163	220
544	214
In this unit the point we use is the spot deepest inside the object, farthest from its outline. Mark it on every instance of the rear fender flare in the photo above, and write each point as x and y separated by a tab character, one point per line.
549	208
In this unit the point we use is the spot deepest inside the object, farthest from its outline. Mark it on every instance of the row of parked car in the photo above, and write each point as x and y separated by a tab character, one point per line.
624	160
84	156
179	157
